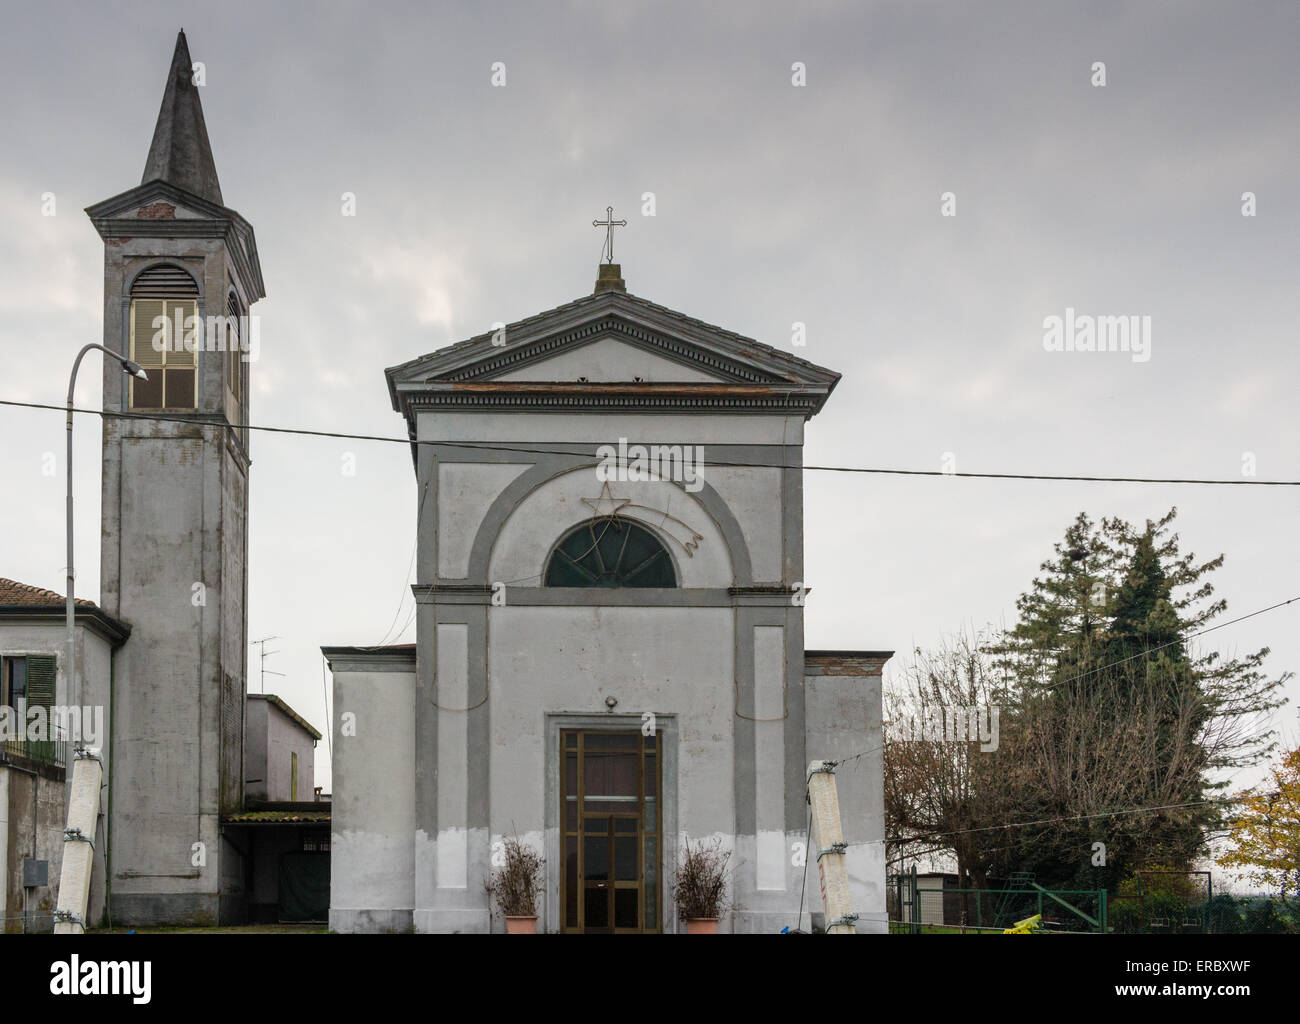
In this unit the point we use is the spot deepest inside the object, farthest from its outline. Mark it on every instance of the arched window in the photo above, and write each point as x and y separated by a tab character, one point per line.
165	338
610	552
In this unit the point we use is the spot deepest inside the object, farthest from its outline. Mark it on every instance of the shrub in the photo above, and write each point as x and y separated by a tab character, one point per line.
516	886
700	884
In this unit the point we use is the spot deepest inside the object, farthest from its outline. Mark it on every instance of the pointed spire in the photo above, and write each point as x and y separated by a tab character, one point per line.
180	154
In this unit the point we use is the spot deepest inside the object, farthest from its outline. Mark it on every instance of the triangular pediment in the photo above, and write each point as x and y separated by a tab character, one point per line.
159	209
158	200
609	358
605	344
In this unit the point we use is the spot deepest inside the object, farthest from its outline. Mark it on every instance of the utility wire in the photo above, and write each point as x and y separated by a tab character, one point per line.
329	722
1059	819
1171	643
1141	654
807	850
492	446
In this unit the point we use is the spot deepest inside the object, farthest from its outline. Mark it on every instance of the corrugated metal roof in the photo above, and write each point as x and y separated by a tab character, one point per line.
277	818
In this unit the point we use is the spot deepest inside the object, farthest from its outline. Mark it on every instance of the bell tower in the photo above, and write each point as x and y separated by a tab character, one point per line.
181	274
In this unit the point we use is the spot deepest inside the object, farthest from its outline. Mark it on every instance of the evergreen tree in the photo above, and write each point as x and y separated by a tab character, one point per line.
1116	712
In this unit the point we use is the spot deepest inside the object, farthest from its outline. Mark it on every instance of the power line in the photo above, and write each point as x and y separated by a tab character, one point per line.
807	844
491	446
1063	818
329	722
1171	643
1141	654
401	599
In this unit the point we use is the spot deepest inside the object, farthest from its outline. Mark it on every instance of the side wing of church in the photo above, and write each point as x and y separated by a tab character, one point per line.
609	660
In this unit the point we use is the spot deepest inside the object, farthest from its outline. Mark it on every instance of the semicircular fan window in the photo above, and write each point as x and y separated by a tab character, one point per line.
610	551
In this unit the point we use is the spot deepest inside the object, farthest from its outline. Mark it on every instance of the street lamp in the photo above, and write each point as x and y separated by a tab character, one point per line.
134	370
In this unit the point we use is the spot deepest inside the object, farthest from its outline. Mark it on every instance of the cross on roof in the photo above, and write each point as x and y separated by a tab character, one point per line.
609	224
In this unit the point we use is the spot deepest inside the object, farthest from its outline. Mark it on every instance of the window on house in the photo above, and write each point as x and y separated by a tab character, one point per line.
610	552
27	682
13	684
166	337
293	775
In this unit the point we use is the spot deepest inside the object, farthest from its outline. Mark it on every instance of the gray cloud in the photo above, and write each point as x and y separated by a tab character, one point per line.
775	204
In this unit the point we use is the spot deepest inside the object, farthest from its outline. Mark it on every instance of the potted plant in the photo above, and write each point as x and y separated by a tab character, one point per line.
516	886
700	887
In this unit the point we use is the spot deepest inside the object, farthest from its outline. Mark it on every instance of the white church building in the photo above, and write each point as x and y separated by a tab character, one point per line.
610	628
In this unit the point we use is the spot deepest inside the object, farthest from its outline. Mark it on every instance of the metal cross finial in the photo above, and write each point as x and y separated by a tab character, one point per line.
609	224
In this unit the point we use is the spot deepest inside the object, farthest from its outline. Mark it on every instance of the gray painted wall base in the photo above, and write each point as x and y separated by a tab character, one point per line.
458	922
349	922
150	909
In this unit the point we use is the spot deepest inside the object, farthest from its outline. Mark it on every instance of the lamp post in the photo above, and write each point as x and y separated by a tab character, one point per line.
135	371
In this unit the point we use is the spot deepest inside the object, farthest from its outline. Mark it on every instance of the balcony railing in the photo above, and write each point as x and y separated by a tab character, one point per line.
51	753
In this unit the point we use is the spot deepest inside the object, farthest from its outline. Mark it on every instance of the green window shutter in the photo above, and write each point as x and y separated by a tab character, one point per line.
41	673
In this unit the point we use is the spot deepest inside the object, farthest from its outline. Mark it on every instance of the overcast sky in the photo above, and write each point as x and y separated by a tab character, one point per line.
774	204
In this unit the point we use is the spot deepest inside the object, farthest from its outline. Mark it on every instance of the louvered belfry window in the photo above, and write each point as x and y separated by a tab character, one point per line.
168	353
234	363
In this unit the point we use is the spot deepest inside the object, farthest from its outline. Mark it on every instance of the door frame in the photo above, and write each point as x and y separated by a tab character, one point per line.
666	727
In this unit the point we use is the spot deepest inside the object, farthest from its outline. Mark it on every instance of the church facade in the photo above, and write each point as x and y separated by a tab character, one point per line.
609	659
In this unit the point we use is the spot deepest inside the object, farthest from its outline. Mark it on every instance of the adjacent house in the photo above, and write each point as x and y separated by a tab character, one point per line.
39	726
279	752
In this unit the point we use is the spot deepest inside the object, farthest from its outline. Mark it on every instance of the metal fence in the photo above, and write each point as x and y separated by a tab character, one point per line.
31	922
928	905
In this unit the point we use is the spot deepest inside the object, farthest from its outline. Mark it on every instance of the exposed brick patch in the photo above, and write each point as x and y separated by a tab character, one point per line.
156	211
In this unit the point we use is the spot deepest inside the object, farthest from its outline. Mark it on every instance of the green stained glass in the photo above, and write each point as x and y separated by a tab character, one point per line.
610	552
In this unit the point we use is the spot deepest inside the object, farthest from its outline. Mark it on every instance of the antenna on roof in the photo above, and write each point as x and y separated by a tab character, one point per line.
264	655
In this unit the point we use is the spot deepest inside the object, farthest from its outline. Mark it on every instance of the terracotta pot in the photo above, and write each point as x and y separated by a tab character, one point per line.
522	925
701	926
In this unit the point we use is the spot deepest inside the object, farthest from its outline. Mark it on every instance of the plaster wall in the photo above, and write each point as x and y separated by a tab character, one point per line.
844	718
372	867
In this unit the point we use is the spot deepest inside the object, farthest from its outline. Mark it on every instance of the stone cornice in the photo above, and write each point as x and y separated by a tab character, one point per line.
845	663
93	618
215	222
571	597
371	659
530	396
